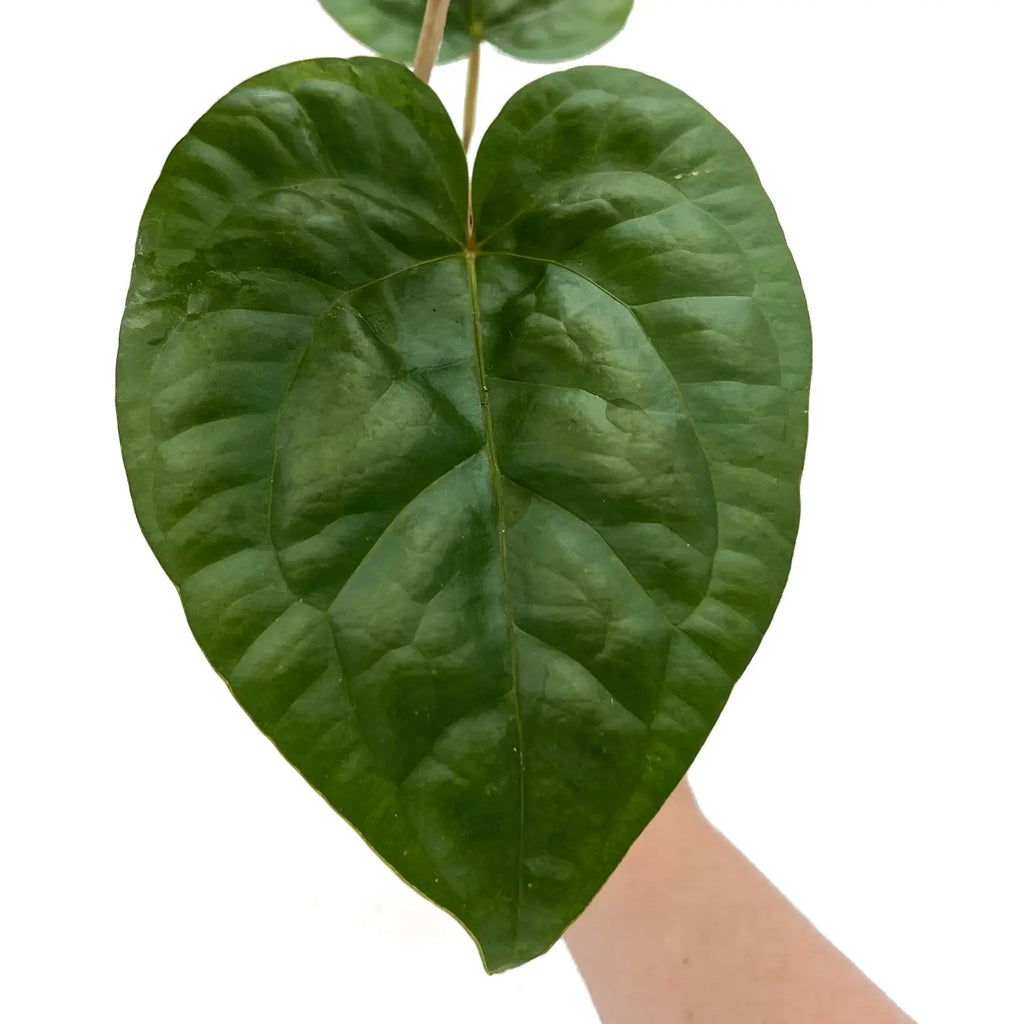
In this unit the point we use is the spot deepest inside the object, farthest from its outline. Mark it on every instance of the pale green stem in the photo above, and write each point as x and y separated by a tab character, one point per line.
429	46
472	90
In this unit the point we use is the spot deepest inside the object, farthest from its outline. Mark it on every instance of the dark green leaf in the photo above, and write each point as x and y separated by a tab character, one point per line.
537	30
480	534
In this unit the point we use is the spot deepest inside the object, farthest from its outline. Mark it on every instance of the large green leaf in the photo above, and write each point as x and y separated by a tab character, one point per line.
479	533
537	30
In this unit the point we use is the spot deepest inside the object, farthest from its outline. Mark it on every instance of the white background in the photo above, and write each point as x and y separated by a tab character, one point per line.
161	863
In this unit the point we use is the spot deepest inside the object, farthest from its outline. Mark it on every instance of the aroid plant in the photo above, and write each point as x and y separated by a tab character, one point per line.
479	495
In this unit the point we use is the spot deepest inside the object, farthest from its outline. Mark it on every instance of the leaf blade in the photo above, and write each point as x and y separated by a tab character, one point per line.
532	30
480	536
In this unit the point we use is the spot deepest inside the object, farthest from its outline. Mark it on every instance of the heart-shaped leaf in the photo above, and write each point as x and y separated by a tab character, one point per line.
534	30
480	532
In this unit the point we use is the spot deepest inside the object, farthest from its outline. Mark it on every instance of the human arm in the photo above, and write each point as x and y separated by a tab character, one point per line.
688	931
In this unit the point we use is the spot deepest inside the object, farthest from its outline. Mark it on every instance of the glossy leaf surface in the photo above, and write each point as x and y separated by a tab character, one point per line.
480	534
534	30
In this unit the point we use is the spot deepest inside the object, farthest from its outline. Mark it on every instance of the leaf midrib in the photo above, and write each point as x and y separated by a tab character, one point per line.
495	469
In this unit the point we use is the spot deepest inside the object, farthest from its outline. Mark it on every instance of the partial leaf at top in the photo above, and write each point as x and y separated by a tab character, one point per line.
533	30
480	532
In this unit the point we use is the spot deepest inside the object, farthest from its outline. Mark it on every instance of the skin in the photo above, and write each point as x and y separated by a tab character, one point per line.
688	931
